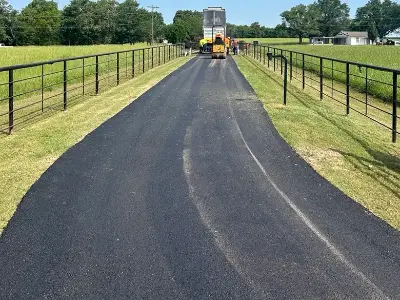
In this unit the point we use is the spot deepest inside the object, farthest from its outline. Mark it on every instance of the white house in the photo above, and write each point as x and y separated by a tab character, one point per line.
352	38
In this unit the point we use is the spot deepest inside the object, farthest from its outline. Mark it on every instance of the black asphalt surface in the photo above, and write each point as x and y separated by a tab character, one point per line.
190	193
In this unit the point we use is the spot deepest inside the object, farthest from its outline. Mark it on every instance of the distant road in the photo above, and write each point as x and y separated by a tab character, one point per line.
190	193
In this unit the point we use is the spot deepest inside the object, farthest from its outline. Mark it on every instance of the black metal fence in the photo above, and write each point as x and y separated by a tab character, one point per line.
30	90
369	90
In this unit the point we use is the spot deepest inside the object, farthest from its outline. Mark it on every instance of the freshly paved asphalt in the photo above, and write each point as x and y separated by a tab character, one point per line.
190	193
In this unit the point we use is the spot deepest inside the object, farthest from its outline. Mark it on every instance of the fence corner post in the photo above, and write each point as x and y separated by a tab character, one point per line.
394	103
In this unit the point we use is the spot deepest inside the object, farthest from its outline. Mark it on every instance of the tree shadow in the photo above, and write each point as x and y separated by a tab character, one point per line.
376	169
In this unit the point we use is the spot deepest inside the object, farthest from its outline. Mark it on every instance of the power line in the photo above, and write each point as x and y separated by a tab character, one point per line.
152	21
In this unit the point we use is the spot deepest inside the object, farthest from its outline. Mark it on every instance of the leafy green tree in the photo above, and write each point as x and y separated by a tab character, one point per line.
104	17
8	23
39	23
189	21
78	23
302	20
333	16
378	17
127	22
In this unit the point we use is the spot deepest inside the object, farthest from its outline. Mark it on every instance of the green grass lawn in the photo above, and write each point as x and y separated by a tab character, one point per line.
385	56
27	153
27	54
352	152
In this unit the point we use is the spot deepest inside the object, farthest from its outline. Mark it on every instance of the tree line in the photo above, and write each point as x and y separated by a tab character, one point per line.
81	22
329	17
84	22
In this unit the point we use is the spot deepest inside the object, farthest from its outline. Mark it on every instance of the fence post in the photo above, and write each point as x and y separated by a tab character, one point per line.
394	113
169	52
133	63
97	75
347	88
164	51
83	77
143	66
10	100
152	57
159	55
268	59
43	87
291	66
321	79
281	62
117	68
274	60
303	72
254	51
65	85
264	55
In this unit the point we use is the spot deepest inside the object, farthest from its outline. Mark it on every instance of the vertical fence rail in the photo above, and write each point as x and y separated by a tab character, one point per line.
321	79
347	88
291	65
117	68
10	100
394	106
83	77
133	63
303	75
65	85
143	65
42	89
97	75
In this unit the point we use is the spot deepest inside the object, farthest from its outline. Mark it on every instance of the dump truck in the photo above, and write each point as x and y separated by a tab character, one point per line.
214	39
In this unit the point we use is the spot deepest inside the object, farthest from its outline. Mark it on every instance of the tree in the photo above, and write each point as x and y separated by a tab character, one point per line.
333	16
189	25
127	28
39	22
77	23
379	18
301	20
104	17
8	23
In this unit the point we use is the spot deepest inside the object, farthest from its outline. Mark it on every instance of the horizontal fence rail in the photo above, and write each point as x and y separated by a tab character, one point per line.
28	91
369	90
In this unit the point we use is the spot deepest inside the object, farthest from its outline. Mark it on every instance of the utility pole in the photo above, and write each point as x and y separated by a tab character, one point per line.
152	22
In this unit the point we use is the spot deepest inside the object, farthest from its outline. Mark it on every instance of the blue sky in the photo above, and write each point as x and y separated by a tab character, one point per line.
238	11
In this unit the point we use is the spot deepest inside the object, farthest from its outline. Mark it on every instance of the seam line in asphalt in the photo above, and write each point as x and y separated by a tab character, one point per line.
305	219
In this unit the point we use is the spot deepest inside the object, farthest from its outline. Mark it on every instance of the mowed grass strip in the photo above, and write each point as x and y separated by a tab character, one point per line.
351	152
27	153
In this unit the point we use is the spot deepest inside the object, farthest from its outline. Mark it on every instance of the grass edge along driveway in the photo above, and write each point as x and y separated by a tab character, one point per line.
353	153
30	151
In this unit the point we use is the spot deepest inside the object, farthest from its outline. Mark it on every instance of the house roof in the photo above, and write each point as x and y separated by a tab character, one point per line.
353	33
